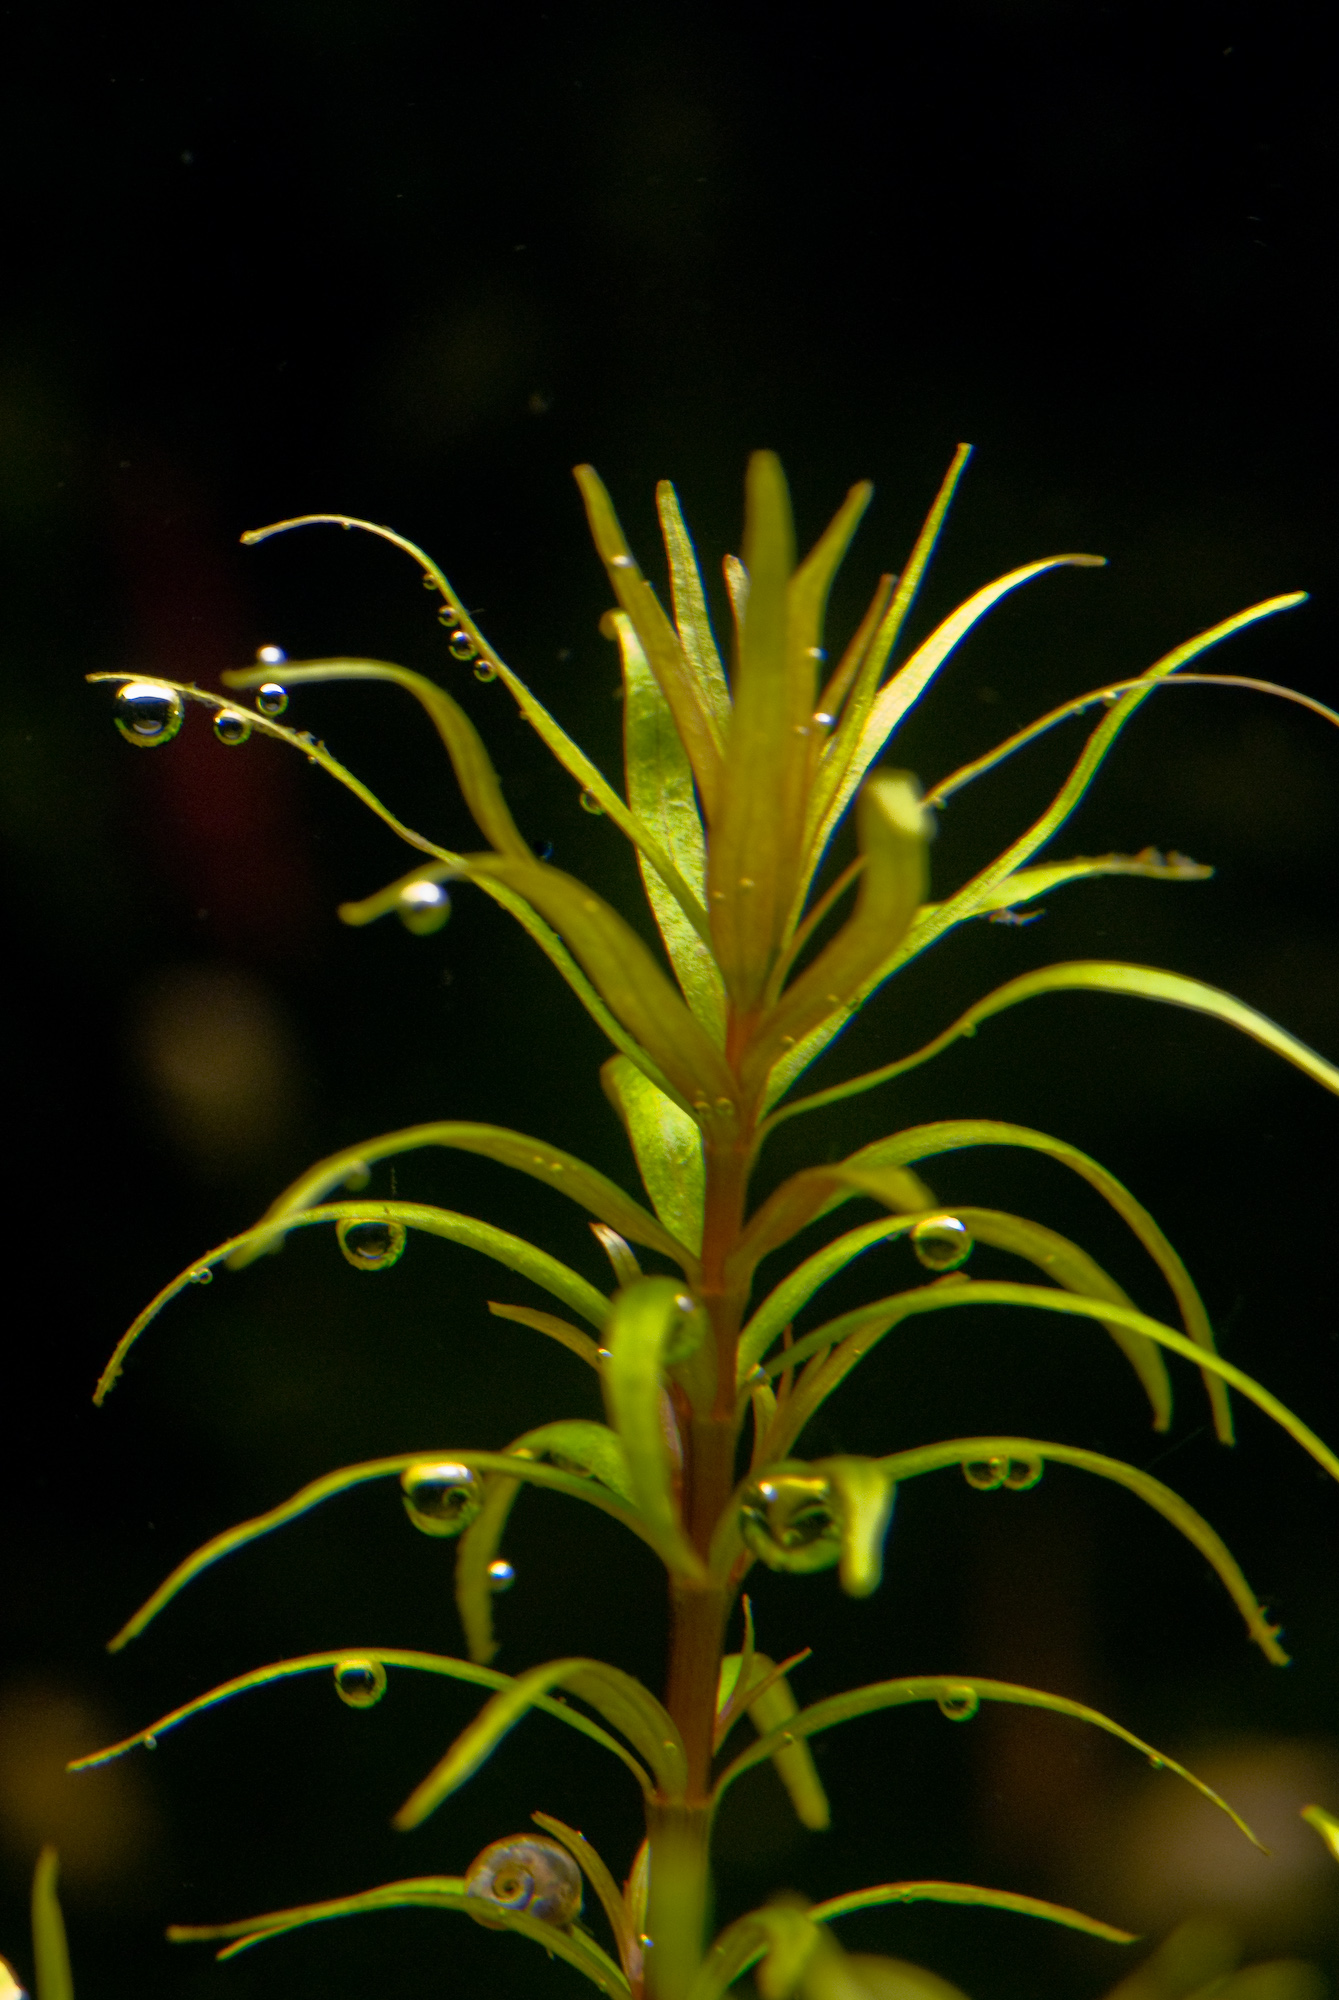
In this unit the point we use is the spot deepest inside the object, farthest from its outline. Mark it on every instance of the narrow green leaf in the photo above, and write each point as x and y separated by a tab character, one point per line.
855	1333
693	717
621	1700
903	1465
893	833
1326	1825
923	1142
313	1663
593	1867
1140	982
787	1929
690	610
850	759
433	1892
968	1895
660	790
513	1251
593	1190
667	1145
623	972
954	1692
652	1324
811	1193
342	1481
51	1954
1029	883
769	1710
570	1337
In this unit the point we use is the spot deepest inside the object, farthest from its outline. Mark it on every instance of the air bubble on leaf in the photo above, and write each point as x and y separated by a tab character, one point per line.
423	907
789	1518
360	1683
985	1474
1023	1473
525	1874
959	1704
271	699
271	656
462	647
202	1276
942	1242
372	1246
356	1176
231	726
501	1575
483	672
590	804
441	1498
148	713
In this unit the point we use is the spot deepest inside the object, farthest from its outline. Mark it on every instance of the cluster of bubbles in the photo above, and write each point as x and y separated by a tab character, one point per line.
371	1246
460	643
942	1242
360	1683
149	713
989	1474
525	1874
791	1520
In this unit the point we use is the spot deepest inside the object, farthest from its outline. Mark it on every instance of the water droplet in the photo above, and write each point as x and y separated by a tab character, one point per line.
1023	1473
529	1874
483	672
428	582
985	1474
441	1498
815	653
423	907
941	1242
271	656
271	699
372	1246
148	713
231	726
360	1683
790	1519
203	1276
684	1302
959	1704
823	719
603	1353
501	1575
461	646
590	804
622	562
151	1742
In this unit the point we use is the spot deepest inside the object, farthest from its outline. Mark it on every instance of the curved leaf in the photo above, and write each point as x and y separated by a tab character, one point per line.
771	1703
570	1337
500	1244
585	1185
967	1895
51	1953
432	1892
592	1866
690	609
632	1709
667	1145
312	1663
645	1322
903	1465
954	1690
344	1481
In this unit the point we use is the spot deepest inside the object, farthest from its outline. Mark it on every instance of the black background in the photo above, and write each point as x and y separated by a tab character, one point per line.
413	262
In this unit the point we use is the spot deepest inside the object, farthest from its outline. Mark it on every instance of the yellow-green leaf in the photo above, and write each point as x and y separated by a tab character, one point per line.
50	1951
667	1144
652	1324
690	609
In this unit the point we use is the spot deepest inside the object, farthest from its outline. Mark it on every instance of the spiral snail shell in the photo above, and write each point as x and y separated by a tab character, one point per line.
525	1874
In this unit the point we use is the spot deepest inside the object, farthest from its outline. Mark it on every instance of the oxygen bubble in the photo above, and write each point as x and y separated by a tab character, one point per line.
271	699
1023	1473
442	1498
204	1276
959	1704
590	804
148	713
461	646
483	672
357	1176
790	1519
525	1874
941	1243
371	1246
823	719
231	726
501	1576
271	656
423	907
360	1683
985	1474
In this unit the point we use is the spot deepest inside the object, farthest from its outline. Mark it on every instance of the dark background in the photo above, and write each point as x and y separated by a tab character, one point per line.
413	262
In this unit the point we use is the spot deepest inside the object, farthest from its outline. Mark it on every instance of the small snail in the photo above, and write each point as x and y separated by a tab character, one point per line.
525	1874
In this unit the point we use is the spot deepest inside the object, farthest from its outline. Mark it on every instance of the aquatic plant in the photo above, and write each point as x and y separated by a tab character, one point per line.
736	786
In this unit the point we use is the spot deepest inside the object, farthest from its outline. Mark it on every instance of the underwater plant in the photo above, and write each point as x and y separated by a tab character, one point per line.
736	785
